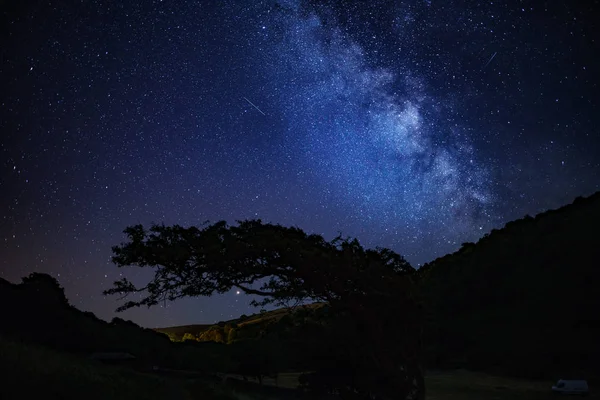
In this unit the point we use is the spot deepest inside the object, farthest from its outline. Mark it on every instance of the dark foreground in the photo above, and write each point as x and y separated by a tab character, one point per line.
35	372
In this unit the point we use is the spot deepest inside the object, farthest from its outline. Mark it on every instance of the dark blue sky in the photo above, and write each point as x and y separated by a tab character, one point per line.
415	125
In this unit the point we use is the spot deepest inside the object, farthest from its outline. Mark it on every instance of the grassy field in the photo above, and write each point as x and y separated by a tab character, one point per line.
32	372
464	385
35	372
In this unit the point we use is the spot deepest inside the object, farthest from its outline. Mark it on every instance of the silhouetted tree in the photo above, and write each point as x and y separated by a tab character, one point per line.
364	287
46	287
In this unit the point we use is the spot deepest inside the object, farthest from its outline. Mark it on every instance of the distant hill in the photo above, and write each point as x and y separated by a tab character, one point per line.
247	326
523	300
176	333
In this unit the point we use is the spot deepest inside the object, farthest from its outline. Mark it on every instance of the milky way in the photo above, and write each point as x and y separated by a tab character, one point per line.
374	135
415	125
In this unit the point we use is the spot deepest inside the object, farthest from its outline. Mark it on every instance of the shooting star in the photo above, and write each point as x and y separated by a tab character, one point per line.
253	105
490	60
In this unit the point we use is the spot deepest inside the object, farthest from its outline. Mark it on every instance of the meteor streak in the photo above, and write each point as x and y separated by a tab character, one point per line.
490	60
253	105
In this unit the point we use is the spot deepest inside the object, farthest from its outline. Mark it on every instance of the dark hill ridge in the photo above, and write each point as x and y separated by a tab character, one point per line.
36	311
523	299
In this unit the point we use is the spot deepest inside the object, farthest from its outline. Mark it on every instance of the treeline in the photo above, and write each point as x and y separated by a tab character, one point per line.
523	300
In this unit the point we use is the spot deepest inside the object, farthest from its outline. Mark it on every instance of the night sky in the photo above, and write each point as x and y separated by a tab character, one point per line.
415	125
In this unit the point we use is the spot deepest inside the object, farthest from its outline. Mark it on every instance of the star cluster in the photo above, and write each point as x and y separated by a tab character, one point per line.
415	125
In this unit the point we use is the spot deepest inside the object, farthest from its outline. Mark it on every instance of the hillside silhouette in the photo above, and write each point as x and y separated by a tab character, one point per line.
523	300
36	311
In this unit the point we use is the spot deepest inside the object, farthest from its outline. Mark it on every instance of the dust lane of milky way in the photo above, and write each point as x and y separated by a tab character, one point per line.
414	125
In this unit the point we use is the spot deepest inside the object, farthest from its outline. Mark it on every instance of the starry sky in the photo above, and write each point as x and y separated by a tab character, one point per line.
415	125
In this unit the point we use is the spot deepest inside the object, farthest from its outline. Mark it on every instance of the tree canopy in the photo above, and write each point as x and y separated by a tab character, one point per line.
296	266
370	290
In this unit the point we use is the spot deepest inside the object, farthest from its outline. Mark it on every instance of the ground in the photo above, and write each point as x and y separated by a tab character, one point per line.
465	385
31	371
